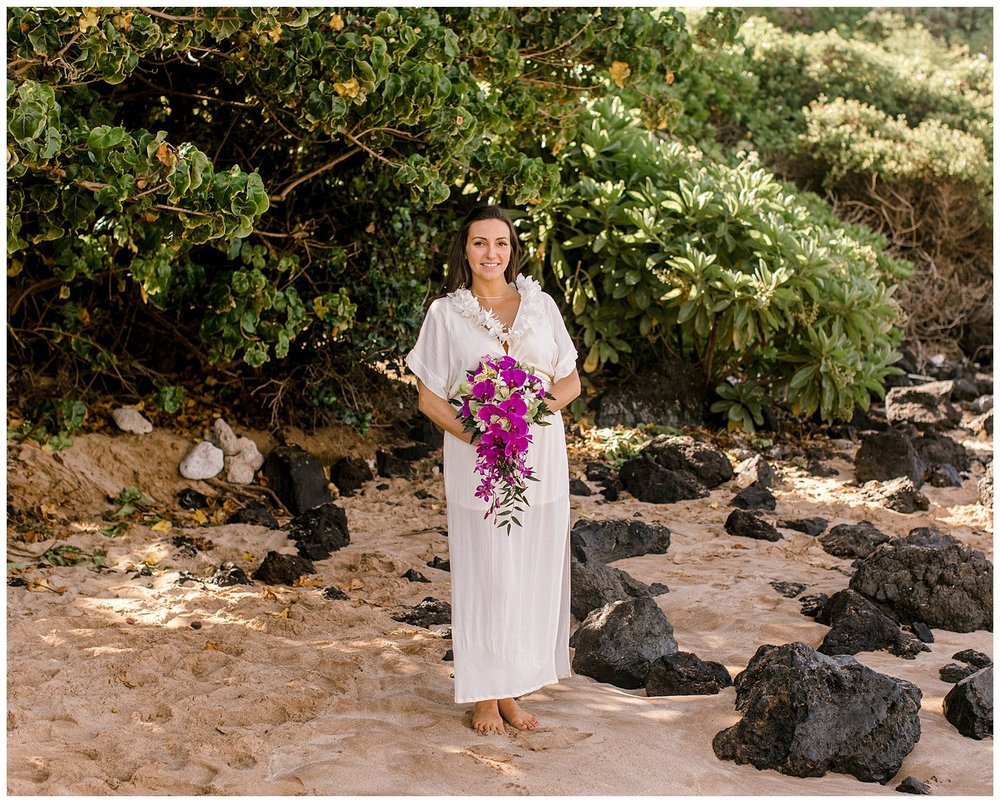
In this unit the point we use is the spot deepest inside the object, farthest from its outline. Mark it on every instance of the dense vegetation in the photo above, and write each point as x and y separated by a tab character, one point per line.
261	197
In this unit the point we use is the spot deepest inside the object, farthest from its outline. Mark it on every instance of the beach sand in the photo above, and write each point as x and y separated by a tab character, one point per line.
121	682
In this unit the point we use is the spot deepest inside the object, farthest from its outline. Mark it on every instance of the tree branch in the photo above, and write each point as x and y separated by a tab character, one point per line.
281	196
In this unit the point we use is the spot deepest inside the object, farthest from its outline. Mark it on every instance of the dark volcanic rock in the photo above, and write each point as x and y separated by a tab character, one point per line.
594	585
190	499
334	593
936	449
925	578
754	497
349	474
787	589
229	574
415	451
981	424
805	714
579	488
608	541
899	494
684	673
413	576
598	472
650	482
857	625
256	513
973	658
675	396
429	612
297	478
320	531
912	786
749	525
969	704
618	643
388	464
922	632
426	431
813	605
953	673
680	453
945	475
278	569
817	469
438	563
930	537
886	455
852	540
986	488
811	526
755	470
925	406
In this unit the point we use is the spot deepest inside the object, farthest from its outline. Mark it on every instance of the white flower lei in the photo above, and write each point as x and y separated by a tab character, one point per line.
469	307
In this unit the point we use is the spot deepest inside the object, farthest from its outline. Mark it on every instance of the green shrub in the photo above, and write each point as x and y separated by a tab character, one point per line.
658	250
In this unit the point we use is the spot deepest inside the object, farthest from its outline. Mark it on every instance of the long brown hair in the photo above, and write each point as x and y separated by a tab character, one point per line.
459	273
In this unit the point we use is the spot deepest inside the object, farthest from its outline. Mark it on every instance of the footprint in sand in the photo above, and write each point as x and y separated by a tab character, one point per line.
550	738
493	757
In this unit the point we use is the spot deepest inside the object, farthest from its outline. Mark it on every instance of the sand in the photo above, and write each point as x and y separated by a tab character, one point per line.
126	683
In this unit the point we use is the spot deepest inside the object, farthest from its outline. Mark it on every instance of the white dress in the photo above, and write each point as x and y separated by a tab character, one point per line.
510	593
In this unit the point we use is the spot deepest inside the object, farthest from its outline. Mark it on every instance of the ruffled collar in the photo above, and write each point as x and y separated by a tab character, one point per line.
527	312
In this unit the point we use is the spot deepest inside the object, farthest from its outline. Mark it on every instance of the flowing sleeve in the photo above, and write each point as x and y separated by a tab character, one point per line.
430	357
565	350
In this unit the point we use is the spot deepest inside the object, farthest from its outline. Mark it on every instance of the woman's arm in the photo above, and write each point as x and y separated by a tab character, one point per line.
441	412
565	390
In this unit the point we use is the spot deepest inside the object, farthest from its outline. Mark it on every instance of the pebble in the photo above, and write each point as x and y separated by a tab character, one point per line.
128	419
203	462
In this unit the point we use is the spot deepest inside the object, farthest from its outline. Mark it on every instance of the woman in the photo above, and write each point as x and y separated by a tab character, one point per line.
510	592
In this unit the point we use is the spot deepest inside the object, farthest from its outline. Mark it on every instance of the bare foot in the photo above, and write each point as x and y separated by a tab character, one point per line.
486	717
511	711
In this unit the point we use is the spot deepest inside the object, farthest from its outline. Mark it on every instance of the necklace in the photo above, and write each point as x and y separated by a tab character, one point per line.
492	298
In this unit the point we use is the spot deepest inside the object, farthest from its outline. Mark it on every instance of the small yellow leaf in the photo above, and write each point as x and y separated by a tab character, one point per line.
88	19
619	72
306	581
144	294
336	22
151	559
162	526
275	33
347	89
248	557
370	229
199	517
211	645
670	76
268	593
282	615
165	156
356	584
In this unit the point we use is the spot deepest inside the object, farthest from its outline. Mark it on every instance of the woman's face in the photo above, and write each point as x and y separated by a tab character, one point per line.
488	249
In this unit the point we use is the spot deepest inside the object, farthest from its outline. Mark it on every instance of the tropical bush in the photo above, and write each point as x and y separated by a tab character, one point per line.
658	251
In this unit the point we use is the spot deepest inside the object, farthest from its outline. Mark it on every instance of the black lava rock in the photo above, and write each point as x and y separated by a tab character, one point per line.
922	632
190	499
332	592
350	474
426	431
229	574
857	625
278	569
612	490
675	396
811	526
16	582
594	585
926	406
973	658
448	656
439	563
650	482
579	488
598	472
926	578
320	531
749	525
415	451
684	673
618	643
755	470
414	576
818	469
899	494
705	463
936	449
852	540
953	673
297	478
945	476
886	455
813	605
787	589
615	539
754	497
969	704
388	464
986	488
806	714
256	513
912	786
429	612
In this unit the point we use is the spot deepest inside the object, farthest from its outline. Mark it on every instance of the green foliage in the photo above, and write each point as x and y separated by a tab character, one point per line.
657	250
129	500
170	399
743	405
52	423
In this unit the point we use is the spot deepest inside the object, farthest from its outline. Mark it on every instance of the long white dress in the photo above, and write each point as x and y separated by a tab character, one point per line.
509	593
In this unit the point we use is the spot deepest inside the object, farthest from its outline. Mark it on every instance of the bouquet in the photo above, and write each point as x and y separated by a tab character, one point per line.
497	403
